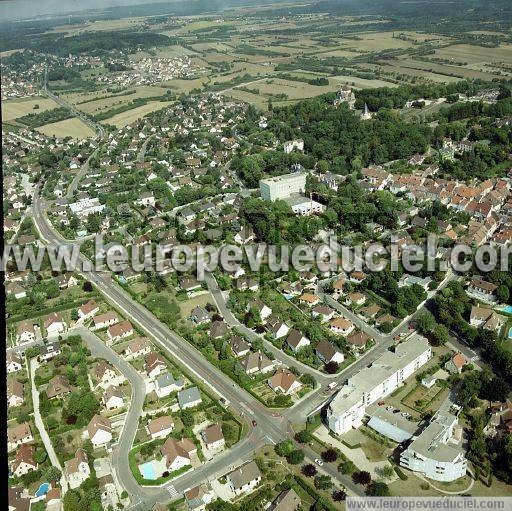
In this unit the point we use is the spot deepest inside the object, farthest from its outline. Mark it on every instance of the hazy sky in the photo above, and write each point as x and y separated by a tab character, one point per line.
22	9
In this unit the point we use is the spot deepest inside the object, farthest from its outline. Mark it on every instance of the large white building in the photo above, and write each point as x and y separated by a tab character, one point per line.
387	373
435	452
281	187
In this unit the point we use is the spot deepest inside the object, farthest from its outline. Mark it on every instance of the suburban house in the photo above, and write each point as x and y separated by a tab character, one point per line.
177	453
48	352
277	327
100	431
296	341
244	235
189	398
166	384
199	315
14	393
24	460
120	331
160	427
54	325
155	364
456	363
244	479
288	500
58	387
356	299
13	362
309	299
88	310
18	435
104	320
139	347
218	329
213	437
77	469
257	363
238	346
112	398
284	382
198	497
483	290
326	353
260	308
485	318
190	284
341	326
322	312
26	332
358	340
105	374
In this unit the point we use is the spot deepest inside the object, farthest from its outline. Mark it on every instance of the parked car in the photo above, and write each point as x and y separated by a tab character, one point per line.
319	462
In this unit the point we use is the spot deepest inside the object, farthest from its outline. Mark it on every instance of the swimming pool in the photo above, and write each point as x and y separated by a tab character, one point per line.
510	333
148	471
43	489
507	309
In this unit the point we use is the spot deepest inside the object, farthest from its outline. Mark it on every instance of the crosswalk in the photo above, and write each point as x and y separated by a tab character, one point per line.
172	490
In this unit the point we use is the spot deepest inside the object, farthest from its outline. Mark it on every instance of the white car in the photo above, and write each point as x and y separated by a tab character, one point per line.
319	462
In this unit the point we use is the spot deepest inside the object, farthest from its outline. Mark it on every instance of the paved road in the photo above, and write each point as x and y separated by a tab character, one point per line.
40	425
138	393
142	152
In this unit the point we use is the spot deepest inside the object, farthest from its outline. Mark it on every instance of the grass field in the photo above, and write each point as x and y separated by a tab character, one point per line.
476	54
73	127
14	108
124	118
94	107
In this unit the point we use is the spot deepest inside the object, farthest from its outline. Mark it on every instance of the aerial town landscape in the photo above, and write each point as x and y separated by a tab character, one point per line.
199	129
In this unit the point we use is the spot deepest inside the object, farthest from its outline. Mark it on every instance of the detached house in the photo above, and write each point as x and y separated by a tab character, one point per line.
15	393
327	353
189	398
177	454
18	435
239	347
54	325
166	384
88	310
26	332
358	340
112	398
284	382
120	331
257	362
309	299
213	437
277	328
244	478
160	427
139	347
296	341
456	363
13	362
483	290
24	461
485	318
341	326
155	364
104	320
100	431
77	469
105	374
244	236
58	387
260	308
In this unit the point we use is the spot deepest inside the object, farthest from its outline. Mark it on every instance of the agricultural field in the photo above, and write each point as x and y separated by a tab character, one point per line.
476	55
125	118
14	108
74	128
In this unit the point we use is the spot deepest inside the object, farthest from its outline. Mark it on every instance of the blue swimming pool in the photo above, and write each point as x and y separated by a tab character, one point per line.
148	471
507	309
510	333
43	489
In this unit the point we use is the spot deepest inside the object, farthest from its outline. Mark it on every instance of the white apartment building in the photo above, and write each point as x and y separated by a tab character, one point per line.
435	452
87	206
281	187
304	206
386	374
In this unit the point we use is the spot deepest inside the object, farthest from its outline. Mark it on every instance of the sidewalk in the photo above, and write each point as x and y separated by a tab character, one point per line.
34	364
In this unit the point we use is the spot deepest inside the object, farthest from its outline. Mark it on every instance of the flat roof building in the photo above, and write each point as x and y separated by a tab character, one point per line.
387	373
281	187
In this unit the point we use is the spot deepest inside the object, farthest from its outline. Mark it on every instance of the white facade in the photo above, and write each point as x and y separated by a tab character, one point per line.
281	187
386	374
435	453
